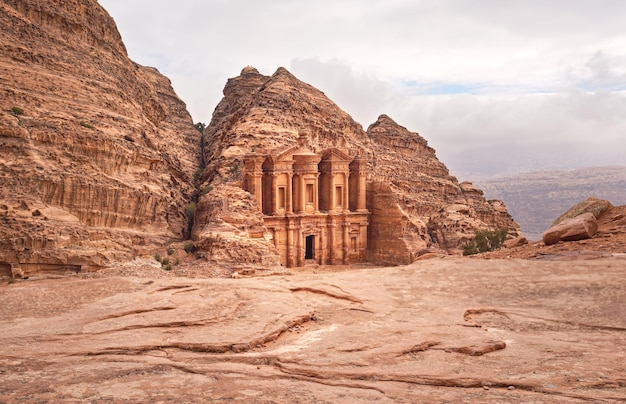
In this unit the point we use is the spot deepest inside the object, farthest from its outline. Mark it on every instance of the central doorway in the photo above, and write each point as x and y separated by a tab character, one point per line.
5	269
309	253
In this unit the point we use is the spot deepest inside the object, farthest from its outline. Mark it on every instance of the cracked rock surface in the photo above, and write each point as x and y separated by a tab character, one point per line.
447	330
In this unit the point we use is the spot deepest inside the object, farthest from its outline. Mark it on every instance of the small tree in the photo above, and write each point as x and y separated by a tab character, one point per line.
200	126
189	247
17	111
485	240
190	210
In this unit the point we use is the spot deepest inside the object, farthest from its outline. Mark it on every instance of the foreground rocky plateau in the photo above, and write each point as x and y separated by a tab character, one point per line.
440	330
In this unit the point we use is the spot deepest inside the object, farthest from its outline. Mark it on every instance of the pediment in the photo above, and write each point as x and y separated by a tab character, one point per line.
334	154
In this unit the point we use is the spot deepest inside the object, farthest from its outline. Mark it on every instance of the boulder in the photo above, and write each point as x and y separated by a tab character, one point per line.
578	228
515	242
589	205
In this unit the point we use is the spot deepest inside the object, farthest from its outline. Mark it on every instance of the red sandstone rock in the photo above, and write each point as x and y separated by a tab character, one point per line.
97	153
413	201
577	228
515	242
590	205
438	331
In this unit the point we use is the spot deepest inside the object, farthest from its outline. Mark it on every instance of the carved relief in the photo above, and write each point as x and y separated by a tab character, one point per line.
313	202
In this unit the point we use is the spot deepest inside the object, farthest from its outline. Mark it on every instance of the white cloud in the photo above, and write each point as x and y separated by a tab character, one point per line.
527	83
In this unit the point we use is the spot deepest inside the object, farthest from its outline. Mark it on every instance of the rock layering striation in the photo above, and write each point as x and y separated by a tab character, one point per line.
97	153
99	158
416	205
520	332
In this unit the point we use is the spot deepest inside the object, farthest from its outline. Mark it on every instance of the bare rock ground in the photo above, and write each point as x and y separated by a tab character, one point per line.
440	330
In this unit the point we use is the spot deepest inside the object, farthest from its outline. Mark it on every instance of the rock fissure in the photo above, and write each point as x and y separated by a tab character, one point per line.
470	313
334	295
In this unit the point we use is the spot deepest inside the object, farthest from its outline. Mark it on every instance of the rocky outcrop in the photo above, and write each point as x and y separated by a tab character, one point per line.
229	229
591	205
577	228
578	223
535	199
415	204
439	211
97	153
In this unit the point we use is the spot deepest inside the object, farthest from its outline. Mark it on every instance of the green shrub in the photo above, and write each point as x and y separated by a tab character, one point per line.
168	267
86	125
157	257
206	190
234	169
176	262
165	261
485	240
17	111
170	251
200	126
196	175
190	210
189	247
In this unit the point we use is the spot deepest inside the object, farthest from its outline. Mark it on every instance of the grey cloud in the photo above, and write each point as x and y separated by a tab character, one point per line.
546	77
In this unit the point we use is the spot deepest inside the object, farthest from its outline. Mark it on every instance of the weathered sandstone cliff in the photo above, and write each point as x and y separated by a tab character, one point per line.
427	207
415	204
97	153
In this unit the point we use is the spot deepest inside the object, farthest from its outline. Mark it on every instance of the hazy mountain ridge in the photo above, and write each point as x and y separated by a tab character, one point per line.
535	199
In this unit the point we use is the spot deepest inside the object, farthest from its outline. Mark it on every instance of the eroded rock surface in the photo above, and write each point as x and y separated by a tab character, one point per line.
97	153
441	330
415	203
577	228
609	239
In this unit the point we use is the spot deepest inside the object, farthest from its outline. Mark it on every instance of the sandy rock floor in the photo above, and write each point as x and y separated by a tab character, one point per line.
441	330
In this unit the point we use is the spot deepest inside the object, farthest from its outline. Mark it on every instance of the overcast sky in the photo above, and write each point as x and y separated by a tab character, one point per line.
496	87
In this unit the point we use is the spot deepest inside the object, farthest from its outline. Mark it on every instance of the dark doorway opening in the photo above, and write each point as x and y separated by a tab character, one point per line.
310	248
5	269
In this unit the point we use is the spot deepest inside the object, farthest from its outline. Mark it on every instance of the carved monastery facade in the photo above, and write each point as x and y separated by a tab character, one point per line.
314	204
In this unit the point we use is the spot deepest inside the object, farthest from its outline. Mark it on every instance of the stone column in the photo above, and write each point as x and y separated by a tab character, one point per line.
346	240
300	247
332	244
289	202
361	196
358	167
258	188
332	201
289	251
316	197
273	195
253	167
346	195
302	194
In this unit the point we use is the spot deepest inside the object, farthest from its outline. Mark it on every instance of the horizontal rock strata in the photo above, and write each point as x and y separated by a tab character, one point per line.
97	153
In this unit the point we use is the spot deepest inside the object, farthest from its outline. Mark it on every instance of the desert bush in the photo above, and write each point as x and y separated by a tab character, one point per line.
200	126
157	257
485	240
189	247
234	169
165	261
17	111
86	125
168	267
190	210
170	251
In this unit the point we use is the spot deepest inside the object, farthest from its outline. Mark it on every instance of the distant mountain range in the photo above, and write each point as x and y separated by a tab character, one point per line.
536	199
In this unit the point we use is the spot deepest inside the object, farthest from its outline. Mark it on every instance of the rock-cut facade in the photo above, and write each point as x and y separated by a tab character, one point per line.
313	204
